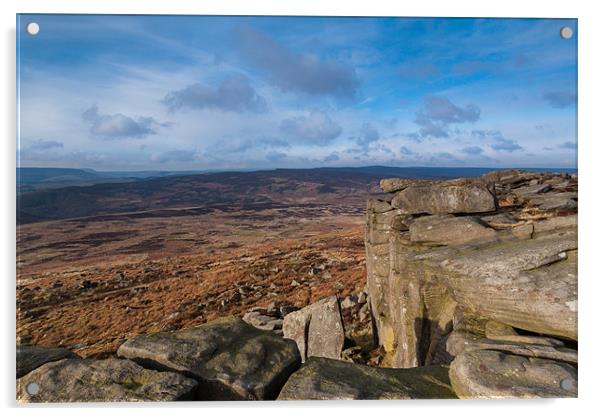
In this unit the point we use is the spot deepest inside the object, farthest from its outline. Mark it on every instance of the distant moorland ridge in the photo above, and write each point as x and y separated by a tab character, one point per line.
61	193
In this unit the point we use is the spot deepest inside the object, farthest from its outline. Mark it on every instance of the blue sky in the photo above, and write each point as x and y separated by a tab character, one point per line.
193	92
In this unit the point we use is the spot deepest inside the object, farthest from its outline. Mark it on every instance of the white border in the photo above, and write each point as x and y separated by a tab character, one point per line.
590	33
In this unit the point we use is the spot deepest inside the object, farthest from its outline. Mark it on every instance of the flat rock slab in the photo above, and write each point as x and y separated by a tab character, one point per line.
111	380
327	379
460	341
30	357
487	374
317	329
229	358
444	199
447	229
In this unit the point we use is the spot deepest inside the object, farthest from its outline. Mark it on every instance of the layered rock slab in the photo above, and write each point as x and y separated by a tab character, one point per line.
317	329
447	229
110	380
528	284
522	271
487	374
30	357
327	379
444	199
229	358
539	347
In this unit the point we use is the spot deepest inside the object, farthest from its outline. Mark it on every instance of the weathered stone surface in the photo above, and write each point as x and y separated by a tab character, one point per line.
502	332
523	231
444	230
489	374
527	284
440	199
395	184
555	223
533	189
499	220
554	201
378	206
261	321
393	220
317	329
230	359
460	341
524	275
30	357
111	380
325	379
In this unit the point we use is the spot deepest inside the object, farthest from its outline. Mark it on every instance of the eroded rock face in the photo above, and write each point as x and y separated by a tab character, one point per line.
30	357
445	230
230	359
502	248
490	374
110	380
539	347
326	379
441	199
317	329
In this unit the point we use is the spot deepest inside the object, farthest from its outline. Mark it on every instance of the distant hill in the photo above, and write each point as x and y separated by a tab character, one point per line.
221	190
37	179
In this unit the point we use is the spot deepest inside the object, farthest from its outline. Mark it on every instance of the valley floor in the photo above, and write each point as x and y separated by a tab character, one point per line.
89	284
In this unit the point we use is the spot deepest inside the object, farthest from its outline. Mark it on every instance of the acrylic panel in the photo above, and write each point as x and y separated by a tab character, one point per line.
295	208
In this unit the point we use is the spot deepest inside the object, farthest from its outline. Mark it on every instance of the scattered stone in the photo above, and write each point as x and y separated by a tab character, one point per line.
295	283
88	284
30	357
110	380
485	374
231	359
317	329
328	379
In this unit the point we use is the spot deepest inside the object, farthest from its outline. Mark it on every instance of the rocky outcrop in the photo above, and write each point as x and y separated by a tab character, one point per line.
326	379
111	380
317	329
230	359
30	357
475	253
